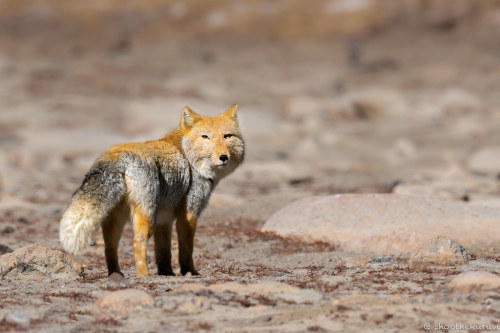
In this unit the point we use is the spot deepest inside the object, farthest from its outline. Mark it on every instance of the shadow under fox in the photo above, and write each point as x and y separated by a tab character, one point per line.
154	184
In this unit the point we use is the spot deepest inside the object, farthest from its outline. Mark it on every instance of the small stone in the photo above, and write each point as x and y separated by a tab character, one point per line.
190	288
440	251
119	304
454	102
452	183
18	319
382	260
259	307
7	230
191	306
486	160
356	262
117	281
477	283
5	249
353	301
378	103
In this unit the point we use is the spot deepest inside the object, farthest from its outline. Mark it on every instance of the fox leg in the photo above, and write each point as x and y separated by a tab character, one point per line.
162	237
186	227
112	230
142	232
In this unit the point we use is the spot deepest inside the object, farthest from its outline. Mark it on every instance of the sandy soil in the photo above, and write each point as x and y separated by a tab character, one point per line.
317	120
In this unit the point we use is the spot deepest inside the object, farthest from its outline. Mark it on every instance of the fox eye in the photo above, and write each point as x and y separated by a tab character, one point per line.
204	136
227	136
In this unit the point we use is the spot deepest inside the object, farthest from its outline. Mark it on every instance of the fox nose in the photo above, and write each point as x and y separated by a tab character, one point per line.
223	158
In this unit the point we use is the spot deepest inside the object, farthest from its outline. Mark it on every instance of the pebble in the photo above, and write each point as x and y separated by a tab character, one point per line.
440	251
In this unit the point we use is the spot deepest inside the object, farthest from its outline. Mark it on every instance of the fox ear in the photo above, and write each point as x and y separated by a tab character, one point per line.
231	113
189	117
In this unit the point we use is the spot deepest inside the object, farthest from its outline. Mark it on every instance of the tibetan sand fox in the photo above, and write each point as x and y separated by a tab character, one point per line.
154	183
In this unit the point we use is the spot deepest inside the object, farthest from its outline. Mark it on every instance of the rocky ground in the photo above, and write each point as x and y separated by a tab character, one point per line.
412	115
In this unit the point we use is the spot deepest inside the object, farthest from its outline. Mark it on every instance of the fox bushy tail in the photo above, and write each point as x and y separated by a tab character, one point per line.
100	192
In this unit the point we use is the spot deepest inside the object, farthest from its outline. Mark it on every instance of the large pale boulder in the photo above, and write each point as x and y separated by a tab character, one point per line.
452	183
386	223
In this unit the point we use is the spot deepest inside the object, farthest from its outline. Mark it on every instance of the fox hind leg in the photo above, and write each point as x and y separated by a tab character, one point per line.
162	237
142	233
112	229
186	227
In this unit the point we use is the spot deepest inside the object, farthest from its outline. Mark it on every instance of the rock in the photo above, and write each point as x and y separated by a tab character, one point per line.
306	150
486	160
217	19
355	261
353	300
456	101
377	103
404	149
5	249
381	260
7	230
386	223
40	259
264	288
18	319
477	283
119	304
191	306
117	281
452	183
440	251
314	112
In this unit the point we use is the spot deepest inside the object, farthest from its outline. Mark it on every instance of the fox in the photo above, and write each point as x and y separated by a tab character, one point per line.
153	184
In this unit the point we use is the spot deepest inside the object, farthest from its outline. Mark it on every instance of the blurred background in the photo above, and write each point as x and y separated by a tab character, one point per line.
334	95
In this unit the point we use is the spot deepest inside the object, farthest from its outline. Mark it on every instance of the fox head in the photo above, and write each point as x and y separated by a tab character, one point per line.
213	145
